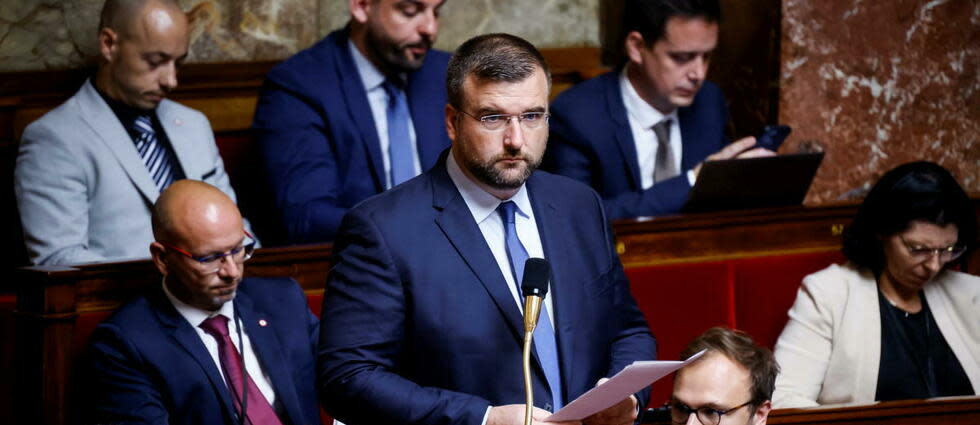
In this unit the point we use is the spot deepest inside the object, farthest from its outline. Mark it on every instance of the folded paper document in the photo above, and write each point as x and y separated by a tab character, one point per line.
619	387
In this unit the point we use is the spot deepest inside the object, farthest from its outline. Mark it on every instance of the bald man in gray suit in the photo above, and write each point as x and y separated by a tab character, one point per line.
89	171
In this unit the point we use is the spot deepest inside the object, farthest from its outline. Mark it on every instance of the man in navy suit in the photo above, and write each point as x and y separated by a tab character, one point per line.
639	135
174	356
425	315
355	114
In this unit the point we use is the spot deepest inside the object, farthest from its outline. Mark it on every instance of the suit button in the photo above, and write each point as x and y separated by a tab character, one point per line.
547	406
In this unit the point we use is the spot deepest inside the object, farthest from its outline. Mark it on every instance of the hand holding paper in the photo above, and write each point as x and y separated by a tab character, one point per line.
513	414
624	384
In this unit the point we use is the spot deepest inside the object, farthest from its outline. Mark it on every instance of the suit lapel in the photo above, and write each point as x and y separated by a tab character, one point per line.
266	345
189	339
552	225
624	135
457	224
182	139
100	117
359	110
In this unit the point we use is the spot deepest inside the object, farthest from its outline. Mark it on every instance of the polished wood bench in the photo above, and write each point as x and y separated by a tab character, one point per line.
946	411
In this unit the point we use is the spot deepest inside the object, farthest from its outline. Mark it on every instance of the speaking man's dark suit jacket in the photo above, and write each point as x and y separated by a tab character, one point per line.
591	141
319	141
423	329
147	364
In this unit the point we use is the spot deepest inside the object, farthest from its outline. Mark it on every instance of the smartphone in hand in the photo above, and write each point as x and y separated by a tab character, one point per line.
772	136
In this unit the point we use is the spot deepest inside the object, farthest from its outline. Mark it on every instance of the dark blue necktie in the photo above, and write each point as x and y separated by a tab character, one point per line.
544	333
158	159
399	141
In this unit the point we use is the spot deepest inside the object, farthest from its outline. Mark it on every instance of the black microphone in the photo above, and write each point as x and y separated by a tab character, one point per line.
534	286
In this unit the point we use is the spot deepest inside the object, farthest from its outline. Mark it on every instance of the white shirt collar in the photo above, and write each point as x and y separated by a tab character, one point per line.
480	202
642	112
371	77
194	315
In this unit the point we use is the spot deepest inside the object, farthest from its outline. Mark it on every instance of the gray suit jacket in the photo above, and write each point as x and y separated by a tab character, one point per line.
83	192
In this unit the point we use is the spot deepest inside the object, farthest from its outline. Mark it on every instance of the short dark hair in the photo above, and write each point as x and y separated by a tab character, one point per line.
649	17
740	348
492	57
916	191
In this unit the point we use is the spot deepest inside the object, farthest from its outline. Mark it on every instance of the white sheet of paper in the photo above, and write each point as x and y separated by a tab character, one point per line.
618	388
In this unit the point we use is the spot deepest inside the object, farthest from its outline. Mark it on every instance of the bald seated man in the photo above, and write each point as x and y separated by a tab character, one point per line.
89	171
731	384
173	355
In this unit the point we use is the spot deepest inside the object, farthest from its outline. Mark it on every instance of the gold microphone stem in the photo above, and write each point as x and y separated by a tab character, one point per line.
532	308
528	390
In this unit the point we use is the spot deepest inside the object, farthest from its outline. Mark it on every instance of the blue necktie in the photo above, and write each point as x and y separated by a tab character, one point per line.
158	159
399	141
544	333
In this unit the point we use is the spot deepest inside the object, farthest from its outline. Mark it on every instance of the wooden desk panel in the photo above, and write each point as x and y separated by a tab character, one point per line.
731	234
964	411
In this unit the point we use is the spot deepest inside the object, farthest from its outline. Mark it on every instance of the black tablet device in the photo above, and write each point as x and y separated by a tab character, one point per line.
734	184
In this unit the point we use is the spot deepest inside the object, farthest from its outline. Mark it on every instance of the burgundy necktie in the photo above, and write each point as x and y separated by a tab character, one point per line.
259	410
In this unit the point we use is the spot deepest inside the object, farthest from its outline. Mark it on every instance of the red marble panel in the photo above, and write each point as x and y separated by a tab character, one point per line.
882	82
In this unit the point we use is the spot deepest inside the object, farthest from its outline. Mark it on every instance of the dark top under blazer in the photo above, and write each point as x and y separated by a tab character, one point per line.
147	364
318	139
591	141
423	329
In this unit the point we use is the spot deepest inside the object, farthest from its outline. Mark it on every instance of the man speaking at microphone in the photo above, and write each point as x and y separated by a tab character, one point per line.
423	320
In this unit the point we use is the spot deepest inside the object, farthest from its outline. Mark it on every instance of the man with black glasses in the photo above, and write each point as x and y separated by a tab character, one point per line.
731	384
176	355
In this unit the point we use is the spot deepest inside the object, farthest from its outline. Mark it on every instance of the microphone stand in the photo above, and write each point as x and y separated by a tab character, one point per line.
532	309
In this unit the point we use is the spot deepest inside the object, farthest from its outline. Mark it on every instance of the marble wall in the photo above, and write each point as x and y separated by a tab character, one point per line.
61	34
880	83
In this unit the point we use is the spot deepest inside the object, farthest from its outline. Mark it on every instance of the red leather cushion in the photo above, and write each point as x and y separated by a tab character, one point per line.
680	302
766	288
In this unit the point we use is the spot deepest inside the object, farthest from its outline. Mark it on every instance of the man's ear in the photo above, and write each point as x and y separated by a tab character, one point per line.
634	44
360	9
451	120
157	250
761	414
108	44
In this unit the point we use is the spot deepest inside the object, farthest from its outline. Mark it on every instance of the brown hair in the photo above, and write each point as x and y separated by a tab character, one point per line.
740	348
492	57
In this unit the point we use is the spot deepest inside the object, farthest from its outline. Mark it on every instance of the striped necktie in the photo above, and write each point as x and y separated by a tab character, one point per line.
544	334
158	159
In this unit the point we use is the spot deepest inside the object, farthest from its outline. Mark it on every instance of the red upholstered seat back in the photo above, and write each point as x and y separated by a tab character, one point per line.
766	288
680	301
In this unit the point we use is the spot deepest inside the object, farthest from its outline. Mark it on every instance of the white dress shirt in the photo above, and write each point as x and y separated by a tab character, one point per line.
196	316
642	117
378	100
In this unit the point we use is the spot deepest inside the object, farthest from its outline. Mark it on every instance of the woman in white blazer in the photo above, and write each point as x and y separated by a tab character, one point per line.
894	322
